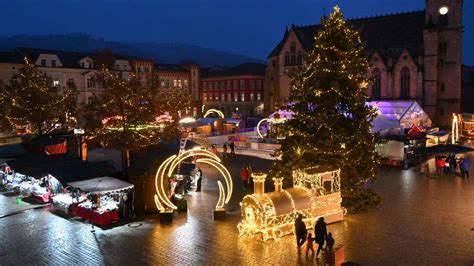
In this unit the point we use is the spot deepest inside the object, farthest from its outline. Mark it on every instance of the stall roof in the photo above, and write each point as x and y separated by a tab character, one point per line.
101	184
391	114
393	110
63	167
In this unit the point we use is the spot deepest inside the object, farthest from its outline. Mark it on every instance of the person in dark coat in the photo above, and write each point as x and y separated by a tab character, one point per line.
199	176
320	232
300	230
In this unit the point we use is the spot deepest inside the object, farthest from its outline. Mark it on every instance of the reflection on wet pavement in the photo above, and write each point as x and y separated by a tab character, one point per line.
421	221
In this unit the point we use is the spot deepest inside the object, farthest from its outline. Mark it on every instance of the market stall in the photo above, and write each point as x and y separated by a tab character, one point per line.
101	200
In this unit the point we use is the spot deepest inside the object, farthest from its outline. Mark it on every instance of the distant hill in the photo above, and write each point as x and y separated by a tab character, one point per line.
171	53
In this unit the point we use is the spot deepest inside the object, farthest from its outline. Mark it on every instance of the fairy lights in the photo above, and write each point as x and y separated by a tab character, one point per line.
214	111
455	129
166	169
272	215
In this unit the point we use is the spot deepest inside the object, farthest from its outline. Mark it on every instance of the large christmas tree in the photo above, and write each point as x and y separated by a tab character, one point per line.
331	123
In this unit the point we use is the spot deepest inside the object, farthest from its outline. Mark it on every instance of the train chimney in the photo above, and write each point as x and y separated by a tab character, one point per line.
278	182
259	183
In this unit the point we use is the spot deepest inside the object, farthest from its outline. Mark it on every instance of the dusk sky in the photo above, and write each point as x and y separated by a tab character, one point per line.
250	27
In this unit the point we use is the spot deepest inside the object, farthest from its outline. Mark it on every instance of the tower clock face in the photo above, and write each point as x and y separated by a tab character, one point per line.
443	10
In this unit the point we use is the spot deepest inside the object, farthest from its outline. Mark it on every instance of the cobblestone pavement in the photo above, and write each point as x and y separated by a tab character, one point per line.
422	221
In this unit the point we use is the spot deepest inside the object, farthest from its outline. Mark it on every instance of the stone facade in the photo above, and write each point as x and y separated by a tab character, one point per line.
415	55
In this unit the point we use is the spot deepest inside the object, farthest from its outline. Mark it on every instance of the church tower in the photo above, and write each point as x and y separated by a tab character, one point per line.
442	40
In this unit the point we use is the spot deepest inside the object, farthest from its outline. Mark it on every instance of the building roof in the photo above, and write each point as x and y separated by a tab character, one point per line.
389	35
169	67
254	69
11	57
71	59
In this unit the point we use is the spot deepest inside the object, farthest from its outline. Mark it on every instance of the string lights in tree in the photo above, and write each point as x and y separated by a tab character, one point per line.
331	122
33	104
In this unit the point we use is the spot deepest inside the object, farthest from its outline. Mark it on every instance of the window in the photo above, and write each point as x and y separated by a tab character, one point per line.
162	83
223	97
252	84
242	96
55	82
71	83
442	86
229	97
229	84
236	84
405	83
443	20
204	85
252	97
236	97
90	99
287	59
259	97
175	83
53	63
259	84
180	85
293	54
242	84
376	84
222	85
43	62
443	48
204	96
216	96
216	85
89	83
139	69
210	85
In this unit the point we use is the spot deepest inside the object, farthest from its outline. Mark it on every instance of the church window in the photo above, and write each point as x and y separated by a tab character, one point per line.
405	83
376	85
293	54
287	59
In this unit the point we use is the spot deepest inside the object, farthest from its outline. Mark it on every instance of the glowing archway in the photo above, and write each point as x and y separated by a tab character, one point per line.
258	127
168	167
214	111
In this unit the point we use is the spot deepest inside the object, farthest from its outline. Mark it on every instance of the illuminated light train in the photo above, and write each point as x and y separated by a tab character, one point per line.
272	215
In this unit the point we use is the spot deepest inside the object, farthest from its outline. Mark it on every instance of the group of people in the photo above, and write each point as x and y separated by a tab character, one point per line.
320	235
450	164
246	175
226	147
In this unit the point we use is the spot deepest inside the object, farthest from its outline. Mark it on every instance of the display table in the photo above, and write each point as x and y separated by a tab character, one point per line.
97	218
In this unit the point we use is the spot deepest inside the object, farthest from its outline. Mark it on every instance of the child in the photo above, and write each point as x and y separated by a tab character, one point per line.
309	244
329	241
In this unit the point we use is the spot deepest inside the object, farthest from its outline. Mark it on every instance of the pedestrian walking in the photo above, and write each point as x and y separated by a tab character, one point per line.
224	150
329	241
199	179
320	232
232	148
464	165
244	174
309	244
440	165
300	230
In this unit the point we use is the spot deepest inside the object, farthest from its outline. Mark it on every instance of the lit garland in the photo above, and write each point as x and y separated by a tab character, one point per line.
167	168
214	111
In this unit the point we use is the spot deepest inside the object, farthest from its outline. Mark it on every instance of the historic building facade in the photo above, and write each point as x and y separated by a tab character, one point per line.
74	69
234	90
414	55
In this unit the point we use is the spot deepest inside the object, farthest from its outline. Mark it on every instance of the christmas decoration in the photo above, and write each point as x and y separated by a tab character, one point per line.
331	121
34	104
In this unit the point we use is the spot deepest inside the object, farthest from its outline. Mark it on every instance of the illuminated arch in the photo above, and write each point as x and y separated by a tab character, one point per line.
214	111
258	127
167	168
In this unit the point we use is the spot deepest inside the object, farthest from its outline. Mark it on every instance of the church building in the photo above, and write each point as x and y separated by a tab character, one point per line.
413	55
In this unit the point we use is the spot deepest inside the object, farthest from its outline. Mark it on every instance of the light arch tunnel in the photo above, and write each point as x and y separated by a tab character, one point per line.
167	168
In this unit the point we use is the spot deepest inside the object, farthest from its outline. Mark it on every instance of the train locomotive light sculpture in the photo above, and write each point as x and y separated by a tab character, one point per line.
271	215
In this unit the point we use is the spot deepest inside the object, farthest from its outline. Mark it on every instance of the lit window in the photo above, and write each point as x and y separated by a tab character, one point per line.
242	97
229	97
55	82
180	85
252	97
195	111
216	98
175	83
185	83
223	97
204	96
236	97
259	97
